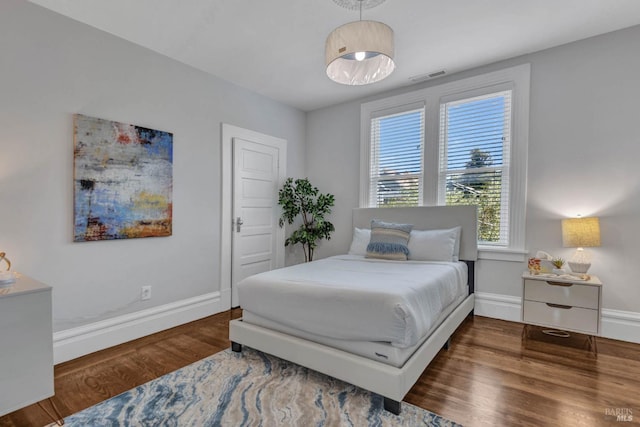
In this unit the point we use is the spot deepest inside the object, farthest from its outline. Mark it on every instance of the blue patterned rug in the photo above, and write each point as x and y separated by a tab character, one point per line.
248	389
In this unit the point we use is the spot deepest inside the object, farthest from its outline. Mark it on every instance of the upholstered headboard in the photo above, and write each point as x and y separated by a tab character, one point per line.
428	218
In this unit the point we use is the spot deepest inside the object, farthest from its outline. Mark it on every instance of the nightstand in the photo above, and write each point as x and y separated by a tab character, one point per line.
562	304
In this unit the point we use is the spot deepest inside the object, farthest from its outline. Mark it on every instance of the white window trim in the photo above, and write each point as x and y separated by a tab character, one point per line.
518	79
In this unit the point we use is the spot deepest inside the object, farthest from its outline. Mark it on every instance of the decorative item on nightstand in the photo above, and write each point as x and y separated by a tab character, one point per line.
558	263
534	266
580	233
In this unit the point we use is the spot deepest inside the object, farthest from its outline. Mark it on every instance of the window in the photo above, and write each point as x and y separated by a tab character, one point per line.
463	142
396	159
475	138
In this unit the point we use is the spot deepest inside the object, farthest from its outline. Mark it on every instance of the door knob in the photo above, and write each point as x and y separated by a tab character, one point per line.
239	223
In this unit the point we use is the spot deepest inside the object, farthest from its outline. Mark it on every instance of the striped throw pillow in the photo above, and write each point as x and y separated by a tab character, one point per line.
389	241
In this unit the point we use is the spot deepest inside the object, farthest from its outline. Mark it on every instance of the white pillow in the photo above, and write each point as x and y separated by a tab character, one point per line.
434	245
456	249
361	237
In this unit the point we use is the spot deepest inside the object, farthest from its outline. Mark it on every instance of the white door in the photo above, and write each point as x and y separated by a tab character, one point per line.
255	246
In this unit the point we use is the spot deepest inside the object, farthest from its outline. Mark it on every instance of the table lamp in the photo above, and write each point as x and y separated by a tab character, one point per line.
580	233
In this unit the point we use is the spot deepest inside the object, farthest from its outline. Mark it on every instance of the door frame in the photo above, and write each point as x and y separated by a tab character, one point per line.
226	207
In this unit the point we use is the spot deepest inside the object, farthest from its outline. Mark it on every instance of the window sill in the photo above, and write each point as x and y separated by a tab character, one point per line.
502	254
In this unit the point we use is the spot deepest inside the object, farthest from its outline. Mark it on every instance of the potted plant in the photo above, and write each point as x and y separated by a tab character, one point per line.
558	263
299	197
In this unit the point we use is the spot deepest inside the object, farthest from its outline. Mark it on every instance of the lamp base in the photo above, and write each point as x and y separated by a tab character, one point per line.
579	267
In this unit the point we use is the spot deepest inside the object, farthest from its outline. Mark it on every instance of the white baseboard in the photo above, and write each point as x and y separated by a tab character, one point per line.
621	325
505	307
75	342
616	324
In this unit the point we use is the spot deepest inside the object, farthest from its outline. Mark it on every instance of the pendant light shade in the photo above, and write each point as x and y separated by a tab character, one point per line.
359	53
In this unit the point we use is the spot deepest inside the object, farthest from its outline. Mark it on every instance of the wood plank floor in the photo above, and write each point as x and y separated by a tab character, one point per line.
489	376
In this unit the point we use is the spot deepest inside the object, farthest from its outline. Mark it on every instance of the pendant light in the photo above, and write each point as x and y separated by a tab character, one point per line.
360	52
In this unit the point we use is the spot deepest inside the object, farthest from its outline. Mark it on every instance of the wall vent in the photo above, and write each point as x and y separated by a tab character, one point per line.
423	77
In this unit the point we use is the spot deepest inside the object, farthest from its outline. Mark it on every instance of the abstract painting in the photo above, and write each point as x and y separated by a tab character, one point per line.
123	179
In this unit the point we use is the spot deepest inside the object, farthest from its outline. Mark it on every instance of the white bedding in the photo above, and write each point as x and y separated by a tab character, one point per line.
350	297
379	351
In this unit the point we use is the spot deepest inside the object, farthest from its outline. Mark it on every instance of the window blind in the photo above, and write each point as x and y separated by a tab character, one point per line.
475	140
397	150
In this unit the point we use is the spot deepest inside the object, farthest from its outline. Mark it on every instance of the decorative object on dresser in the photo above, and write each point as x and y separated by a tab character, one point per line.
3	257
563	303
580	233
8	277
26	363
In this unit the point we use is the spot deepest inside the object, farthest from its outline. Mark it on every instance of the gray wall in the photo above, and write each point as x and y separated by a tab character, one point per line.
583	151
52	67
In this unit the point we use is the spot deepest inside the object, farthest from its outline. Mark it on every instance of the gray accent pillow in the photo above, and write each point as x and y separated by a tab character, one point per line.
389	240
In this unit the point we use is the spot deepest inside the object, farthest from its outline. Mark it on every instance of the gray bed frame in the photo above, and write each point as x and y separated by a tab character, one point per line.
390	382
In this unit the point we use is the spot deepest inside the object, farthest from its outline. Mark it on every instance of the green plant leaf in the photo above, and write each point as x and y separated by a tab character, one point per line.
300	198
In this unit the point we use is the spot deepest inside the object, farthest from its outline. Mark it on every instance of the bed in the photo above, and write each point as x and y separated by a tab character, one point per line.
384	350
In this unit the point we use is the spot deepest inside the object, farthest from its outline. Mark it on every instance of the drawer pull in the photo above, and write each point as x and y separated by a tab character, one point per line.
559	284
556	333
565	307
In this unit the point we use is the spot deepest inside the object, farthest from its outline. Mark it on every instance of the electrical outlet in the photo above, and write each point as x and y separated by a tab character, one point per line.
146	293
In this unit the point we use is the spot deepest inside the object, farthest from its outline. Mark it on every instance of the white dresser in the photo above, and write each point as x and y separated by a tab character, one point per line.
563	304
26	358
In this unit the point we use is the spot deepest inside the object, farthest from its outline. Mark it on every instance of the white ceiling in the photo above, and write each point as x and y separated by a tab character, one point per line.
276	47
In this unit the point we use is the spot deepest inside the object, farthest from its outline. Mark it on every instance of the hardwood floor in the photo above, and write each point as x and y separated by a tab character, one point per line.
85	381
488	377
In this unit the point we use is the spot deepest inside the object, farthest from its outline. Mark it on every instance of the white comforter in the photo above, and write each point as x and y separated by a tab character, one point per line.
353	298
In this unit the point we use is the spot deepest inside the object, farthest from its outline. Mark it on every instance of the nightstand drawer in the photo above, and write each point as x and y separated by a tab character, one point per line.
575	295
570	318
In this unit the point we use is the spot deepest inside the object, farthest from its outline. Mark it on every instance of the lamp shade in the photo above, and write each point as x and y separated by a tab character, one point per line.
581	232
359	53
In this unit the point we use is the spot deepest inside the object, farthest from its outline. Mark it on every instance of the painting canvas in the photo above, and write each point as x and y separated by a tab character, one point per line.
123	179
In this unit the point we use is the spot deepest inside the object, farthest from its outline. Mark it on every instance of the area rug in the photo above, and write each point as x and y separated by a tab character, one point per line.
248	389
